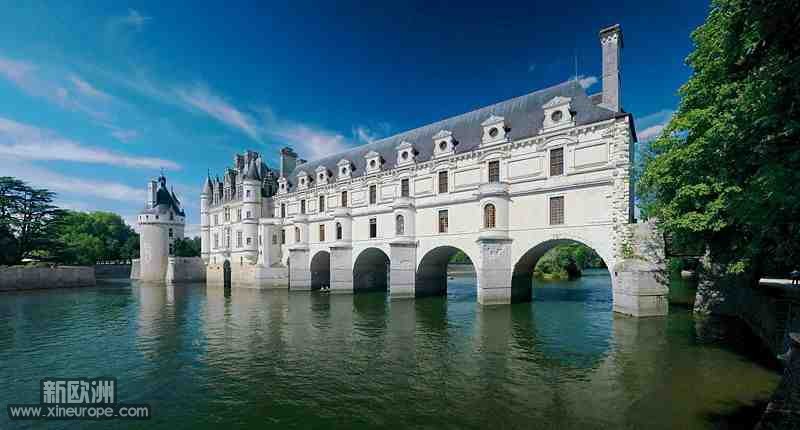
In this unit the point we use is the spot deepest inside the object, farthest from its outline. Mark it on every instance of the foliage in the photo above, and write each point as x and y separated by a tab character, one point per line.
565	261
187	247
725	170
96	236
460	258
28	221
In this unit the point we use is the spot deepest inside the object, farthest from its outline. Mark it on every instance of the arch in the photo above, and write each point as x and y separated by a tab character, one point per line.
489	216
431	276
371	270
320	270
522	275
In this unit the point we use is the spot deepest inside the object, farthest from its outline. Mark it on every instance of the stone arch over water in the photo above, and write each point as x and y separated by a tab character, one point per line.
320	270
371	270
431	275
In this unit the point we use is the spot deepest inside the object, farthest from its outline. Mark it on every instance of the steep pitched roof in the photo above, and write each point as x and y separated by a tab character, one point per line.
522	114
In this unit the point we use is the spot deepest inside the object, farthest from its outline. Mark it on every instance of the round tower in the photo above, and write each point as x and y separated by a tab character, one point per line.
205	224
251	205
161	223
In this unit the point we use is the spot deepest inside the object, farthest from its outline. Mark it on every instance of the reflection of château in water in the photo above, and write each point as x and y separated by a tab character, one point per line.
502	184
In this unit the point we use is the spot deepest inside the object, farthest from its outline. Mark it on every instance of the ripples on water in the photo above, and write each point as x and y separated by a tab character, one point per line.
270	359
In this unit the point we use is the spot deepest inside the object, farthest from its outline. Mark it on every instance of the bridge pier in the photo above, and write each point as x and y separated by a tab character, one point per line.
402	276
299	273
341	268
494	269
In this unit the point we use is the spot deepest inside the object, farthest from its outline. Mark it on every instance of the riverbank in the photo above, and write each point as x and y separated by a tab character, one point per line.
16	278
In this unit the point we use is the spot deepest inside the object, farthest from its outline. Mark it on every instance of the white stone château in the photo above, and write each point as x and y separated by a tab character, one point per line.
504	184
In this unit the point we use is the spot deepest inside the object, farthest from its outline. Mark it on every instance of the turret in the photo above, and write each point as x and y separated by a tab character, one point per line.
205	225
161	223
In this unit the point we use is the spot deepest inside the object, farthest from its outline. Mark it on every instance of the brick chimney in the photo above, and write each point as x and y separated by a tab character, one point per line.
611	42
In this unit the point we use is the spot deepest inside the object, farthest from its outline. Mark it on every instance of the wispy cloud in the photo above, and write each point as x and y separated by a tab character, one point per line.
310	142
88	89
32	143
199	97
531	67
135	19
587	81
653	124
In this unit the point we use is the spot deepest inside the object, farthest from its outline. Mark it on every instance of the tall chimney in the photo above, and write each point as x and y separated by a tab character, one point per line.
611	42
288	161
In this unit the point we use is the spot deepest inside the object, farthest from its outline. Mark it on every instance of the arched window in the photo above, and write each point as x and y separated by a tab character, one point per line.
489	216
400	227
297	234
338	231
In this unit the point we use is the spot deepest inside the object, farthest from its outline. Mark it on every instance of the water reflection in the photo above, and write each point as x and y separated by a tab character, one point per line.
274	359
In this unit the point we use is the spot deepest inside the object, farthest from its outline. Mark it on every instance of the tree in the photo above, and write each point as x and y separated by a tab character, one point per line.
187	247
725	169
28	221
87	238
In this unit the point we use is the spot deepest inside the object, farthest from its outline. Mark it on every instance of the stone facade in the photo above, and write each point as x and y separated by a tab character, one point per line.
502	184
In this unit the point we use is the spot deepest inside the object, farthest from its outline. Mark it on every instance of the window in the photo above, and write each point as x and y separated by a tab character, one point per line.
171	216
557	210
373	194
283	237
344	199
493	132
338	231
494	171
249	241
259	239
239	192
227	238
171	248
489	216
443	181
557	162
216	219
247	193
216	240
238	214
322	232
404	192
556	116
399	225
297	234
373	228
302	206
283	210
170	233
443	221
248	214
322	203
274	239
238	239
227	214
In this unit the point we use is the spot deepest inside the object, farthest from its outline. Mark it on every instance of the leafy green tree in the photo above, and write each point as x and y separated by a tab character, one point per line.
28	221
187	247
96	236
725	169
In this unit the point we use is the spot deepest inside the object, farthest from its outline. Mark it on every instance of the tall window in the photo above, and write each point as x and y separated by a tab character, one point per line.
283	237
170	233
247	193
216	240
283	210
322	203
373	194
238	214
238	239
216	219
443	221
227	238
247	214
494	171
404	192
171	248
239	192
322	232
488	216
297	234
557	210
259	239
249	241
557	162
373	228
399	226
302	206
344	199
338	231
443	181
274	239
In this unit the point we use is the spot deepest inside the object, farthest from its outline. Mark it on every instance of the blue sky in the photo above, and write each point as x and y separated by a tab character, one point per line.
96	97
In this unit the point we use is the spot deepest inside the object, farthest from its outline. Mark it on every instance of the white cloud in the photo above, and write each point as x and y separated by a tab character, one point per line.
87	88
650	132
124	135
310	142
587	81
135	19
18	72
44	178
652	124
201	98
364	135
32	143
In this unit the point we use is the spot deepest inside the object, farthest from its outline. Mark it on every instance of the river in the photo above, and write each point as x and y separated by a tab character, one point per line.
271	359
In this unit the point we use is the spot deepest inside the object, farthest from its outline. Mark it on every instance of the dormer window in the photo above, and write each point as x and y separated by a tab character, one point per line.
557	114
303	180
322	175
494	130
444	143
345	168
405	153
373	161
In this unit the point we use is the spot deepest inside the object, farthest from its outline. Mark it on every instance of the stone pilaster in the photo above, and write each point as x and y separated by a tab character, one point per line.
403	257
494	270
299	273
342	268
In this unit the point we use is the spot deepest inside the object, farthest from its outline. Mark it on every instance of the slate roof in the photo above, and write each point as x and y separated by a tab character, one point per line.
524	116
165	200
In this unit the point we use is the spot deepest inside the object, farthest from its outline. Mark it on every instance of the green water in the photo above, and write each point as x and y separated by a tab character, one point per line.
270	359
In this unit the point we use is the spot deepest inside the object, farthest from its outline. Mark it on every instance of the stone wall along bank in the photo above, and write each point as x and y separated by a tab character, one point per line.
34	278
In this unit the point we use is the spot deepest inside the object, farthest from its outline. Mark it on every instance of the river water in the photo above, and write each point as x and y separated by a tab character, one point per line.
271	359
